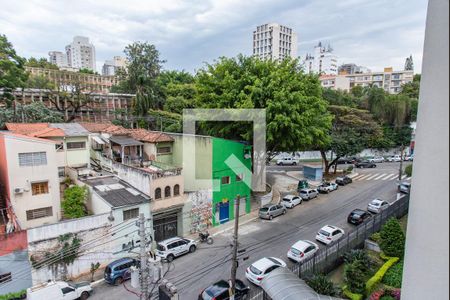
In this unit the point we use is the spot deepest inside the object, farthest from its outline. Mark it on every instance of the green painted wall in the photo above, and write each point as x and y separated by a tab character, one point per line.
222	149
166	158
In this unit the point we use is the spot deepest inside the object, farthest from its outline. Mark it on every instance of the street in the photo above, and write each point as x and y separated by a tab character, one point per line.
193	272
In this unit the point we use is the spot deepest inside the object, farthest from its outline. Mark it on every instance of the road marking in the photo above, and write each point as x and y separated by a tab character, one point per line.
358	177
409	178
389	177
373	176
382	175
403	177
364	177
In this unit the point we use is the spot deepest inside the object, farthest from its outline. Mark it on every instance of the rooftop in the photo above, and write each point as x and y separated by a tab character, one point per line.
71	129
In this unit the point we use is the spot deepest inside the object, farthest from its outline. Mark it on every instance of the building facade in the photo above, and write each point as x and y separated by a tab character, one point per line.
322	61
274	41
58	58
110	67
352	69
81	53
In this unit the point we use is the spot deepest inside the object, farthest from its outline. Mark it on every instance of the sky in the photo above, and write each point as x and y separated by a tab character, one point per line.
191	33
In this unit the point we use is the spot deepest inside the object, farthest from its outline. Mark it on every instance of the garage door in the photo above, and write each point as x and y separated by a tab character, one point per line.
165	227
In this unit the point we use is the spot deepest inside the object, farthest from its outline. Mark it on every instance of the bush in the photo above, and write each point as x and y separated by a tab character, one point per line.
354	274
13	296
392	239
358	255
73	204
408	170
393	276
347	293
387	297
322	285
372	282
376	237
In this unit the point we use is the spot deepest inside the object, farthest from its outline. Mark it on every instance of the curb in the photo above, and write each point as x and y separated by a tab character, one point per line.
231	228
95	283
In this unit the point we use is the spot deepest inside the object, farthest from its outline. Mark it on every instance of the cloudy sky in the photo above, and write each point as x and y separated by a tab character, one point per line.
189	33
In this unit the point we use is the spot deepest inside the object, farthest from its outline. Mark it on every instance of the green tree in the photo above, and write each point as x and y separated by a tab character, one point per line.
39	82
12	71
392	238
322	285
411	89
297	116
74	201
354	275
87	71
338	97
40	63
30	113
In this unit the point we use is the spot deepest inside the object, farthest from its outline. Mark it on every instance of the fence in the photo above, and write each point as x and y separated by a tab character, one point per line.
328	258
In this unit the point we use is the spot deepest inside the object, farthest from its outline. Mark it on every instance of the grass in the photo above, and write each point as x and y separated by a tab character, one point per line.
337	275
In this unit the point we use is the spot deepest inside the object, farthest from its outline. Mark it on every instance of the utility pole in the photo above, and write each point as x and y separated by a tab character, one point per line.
143	257
235	247
400	170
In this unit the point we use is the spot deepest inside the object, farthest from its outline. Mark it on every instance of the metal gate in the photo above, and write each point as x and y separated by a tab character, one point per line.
165	227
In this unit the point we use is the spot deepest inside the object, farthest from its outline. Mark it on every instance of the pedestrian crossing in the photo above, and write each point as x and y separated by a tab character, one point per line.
379	176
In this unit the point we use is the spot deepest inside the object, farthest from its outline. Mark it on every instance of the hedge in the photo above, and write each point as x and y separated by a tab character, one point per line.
347	293
17	295
372	282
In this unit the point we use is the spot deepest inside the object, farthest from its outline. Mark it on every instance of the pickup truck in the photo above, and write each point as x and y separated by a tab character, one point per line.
59	290
287	161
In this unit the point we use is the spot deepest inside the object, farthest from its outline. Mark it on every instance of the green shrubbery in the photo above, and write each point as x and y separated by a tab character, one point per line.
11	296
392	239
73	204
322	285
375	279
355	274
376	237
408	170
393	276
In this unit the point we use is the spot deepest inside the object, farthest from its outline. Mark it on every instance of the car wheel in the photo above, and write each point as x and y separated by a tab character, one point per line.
84	295
270	217
170	258
118	281
192	249
284	212
294	164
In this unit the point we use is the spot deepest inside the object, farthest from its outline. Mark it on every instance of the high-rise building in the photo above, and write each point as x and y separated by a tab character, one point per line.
58	58
81	53
274	41
353	69
323	61
110	67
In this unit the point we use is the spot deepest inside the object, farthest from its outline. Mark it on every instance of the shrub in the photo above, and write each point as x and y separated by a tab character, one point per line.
376	237
322	285
359	255
393	276
408	170
349	169
13	296
347	293
354	274
375	279
74	200
387	297
392	239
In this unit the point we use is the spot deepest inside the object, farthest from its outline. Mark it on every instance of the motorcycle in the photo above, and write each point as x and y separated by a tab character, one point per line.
204	237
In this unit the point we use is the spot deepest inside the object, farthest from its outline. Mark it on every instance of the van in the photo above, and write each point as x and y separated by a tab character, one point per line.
59	290
118	271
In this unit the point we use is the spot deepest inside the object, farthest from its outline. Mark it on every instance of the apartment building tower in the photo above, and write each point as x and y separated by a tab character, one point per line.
322	61
274	41
110	67
58	58
81	53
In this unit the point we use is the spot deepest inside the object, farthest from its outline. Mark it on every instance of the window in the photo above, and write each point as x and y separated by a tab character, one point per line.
164	150
226	180
38	188
39	213
61	171
59	147
6	277
32	159
240	177
76	145
158	193
176	190
167	192
67	289
130	214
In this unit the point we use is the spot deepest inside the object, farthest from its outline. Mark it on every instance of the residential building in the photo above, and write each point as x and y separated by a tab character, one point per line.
81	53
352	69
322	61
110	67
274	41
58	58
391	81
29	173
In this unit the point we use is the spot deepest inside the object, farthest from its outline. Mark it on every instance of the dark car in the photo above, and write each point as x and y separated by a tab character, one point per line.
118	271
343	180
358	216
221	290
365	164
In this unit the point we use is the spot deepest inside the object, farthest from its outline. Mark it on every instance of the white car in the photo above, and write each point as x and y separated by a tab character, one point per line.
329	234
327	187
287	161
394	158
259	269
174	247
376	206
376	159
307	194
59	290
302	250
289	201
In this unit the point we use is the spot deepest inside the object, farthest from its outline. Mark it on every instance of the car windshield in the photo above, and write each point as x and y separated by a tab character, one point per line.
264	209
255	270
287	199
207	295
325	233
376	203
160	247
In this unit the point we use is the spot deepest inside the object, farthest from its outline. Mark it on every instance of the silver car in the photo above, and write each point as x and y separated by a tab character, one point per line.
271	210
376	206
405	187
308	194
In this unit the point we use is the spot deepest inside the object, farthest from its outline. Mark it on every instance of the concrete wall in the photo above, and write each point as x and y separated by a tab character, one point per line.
162	183
199	209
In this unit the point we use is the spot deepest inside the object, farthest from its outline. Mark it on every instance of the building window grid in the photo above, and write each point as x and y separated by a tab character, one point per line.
32	159
130	214
39	213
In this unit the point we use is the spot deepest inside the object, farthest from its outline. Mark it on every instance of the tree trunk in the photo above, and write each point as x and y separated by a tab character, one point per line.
325	161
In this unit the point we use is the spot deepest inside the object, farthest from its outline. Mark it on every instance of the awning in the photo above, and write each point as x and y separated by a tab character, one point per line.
98	140
125	141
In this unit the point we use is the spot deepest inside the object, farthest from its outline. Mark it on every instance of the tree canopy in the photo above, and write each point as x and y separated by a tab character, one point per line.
40	63
30	113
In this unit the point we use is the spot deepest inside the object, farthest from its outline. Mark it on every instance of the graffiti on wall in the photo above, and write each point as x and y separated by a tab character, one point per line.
201	211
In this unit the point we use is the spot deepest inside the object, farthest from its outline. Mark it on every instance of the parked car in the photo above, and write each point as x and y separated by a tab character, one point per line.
343	180
118	271
376	206
394	158
327	187
59	290
405	187
221	290
287	161
409	157
358	216
302	250
345	161
365	164
376	159
174	247
289	201
329	234
259	269
271	210
307	194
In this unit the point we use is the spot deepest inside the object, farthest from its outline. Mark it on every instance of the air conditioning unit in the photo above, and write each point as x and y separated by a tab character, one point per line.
18	190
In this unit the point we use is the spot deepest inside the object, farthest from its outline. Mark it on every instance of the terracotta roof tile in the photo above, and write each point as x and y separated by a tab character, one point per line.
35	129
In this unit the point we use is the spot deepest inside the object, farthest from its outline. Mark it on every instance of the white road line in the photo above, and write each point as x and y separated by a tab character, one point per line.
382	175
358	177
389	176
395	177
364	177
403	177
409	178
373	176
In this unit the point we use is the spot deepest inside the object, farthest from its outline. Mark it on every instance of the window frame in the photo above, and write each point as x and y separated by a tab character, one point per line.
75	143
5	277
167	194
32	159
158	195
42	188
130	213
159	152
228	180
30	217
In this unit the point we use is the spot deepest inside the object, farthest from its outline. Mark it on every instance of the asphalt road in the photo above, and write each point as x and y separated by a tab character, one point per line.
193	272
